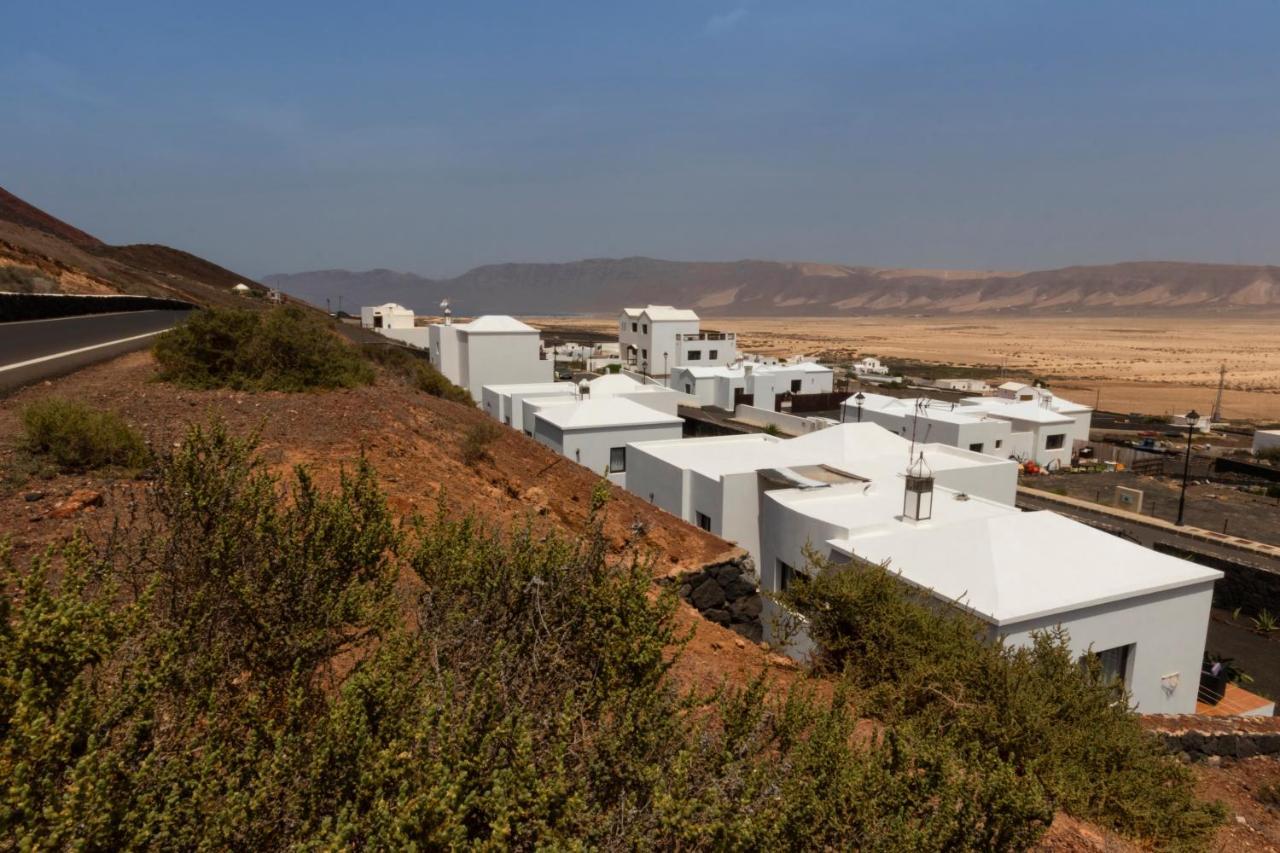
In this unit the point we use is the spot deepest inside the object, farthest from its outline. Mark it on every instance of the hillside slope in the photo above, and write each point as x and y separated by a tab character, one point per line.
40	253
769	288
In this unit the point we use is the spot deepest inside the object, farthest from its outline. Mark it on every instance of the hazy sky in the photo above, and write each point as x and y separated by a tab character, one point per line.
431	137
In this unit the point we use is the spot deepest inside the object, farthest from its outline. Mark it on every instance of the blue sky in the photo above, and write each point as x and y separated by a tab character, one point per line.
432	137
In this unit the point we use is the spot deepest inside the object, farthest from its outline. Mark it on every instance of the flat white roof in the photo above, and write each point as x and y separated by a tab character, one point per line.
527	387
605	412
1022	410
937	410
494	323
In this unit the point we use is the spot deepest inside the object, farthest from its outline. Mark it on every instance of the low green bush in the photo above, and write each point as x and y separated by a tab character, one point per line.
930	670
475	444
417	371
282	349
76	437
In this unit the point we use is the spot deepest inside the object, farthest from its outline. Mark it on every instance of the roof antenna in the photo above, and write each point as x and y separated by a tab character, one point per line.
448	312
922	405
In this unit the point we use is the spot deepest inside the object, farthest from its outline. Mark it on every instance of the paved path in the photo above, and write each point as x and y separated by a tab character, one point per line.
31	350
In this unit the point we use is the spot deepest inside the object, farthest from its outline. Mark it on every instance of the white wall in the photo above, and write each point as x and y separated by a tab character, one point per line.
725	349
1158	626
660	483
500	359
1266	439
786	423
444	352
590	447
415	336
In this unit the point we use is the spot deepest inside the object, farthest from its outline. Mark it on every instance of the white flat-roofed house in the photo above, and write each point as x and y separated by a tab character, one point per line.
1145	614
716	482
1266	441
647	336
704	349
724	387
491	350
388	316
968	386
503	402
1041	427
596	433
934	421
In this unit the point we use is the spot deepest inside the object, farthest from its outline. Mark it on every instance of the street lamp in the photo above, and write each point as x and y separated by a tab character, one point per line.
666	374
858	398
1193	417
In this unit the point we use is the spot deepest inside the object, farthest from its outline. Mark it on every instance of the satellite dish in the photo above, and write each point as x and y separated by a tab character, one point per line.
444	303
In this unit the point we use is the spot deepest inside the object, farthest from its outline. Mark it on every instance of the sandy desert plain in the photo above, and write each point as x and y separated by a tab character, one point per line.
1153	365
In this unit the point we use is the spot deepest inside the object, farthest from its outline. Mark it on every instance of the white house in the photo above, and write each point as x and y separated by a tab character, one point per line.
1039	427
503	403
870	366
1145	614
843	492
968	386
657	338
388	316
1266	440
491	350
724	387
595	433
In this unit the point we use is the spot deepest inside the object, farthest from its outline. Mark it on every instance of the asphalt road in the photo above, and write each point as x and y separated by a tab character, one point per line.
32	350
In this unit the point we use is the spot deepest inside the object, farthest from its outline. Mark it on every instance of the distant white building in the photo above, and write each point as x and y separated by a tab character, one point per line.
596	433
510	404
388	316
1037	427
1266	440
870	366
491	350
951	530
725	387
968	386
657	338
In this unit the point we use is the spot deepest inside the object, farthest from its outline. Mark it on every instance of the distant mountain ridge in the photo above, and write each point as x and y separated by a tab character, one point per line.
773	288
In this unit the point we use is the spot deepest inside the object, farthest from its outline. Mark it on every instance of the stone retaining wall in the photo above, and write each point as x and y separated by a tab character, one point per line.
1200	737
726	593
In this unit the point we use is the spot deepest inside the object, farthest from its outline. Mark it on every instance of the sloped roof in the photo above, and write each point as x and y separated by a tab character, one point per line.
495	323
1015	566
661	313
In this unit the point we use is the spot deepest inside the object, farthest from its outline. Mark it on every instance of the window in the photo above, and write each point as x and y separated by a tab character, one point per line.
695	355
704	521
713	355
688	389
1055	441
795	386
1115	663
976	448
789	577
617	459
644	353
633	326
645	328
999	443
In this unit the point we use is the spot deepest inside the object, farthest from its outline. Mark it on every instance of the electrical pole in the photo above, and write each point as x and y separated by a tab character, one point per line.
1217	404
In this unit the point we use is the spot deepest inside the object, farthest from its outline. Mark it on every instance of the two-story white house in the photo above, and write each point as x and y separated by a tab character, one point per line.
763	384
657	338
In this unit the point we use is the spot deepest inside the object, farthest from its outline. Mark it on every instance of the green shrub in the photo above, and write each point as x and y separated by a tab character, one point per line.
417	371
243	675
77	437
475	444
930	670
283	349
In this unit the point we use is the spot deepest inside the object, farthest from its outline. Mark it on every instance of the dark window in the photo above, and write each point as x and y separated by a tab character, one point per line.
695	355
645	328
377	321
713	355
644	353
617	459
976	448
795	386
999	443
633	327
688	389
788	576
704	521
1115	663
1055	441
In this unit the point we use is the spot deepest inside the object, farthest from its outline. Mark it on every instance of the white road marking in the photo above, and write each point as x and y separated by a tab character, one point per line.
56	355
76	317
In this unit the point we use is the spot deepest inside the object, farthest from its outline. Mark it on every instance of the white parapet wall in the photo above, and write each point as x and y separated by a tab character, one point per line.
786	424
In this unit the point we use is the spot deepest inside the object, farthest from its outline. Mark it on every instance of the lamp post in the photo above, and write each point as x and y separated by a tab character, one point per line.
1192	418
666	374
858	398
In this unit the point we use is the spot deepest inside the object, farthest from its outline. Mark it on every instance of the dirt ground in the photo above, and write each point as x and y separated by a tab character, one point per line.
413	441
1155	366
1211	506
